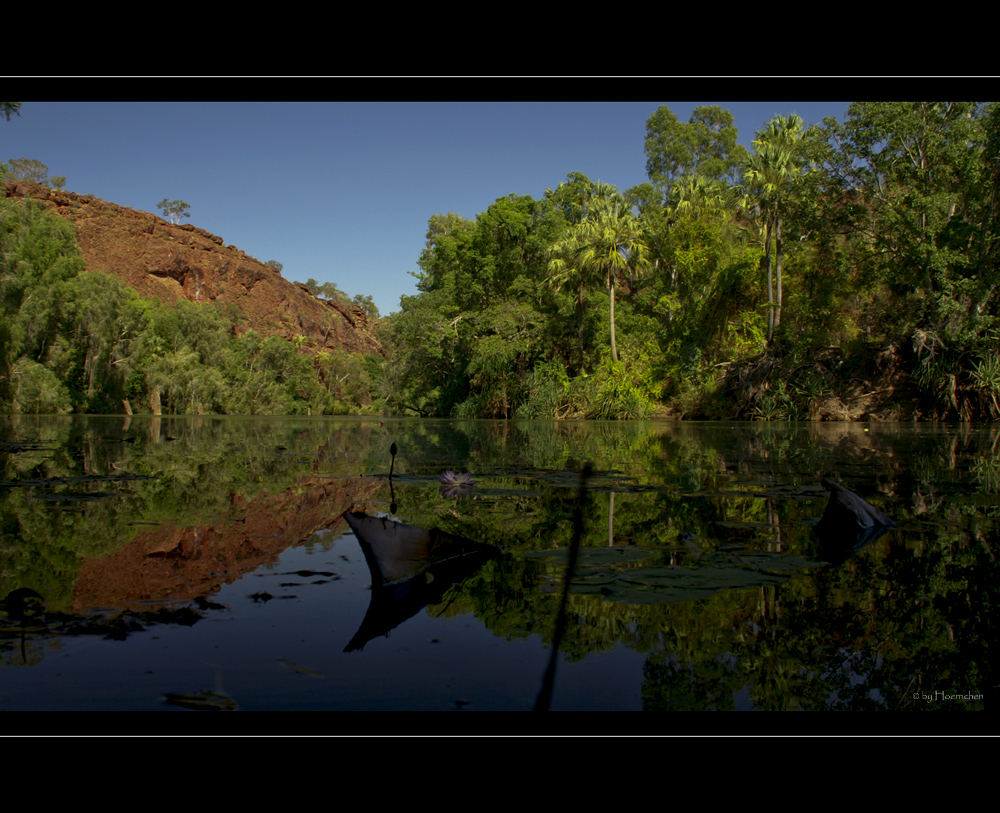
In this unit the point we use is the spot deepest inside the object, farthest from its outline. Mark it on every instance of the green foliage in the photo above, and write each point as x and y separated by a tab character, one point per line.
37	390
367	304
174	210
705	146
913	174
623	392
267	376
546	392
986	377
39	259
27	169
8	109
776	404
88	342
348	380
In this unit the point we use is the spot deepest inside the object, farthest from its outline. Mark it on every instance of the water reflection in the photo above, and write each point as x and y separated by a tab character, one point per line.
700	557
410	568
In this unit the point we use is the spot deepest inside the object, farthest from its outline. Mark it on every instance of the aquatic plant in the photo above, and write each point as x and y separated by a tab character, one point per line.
456	484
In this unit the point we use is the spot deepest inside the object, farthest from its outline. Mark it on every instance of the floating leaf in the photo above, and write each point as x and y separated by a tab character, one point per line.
597	557
202	701
301	669
629	575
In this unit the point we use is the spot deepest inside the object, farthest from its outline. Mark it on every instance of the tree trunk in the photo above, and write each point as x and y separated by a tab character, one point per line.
777	271
611	288
154	401
770	287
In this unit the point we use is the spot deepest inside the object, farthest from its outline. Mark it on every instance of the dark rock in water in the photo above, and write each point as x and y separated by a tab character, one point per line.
848	523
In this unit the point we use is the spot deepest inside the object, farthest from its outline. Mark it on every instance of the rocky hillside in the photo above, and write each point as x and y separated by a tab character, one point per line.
171	262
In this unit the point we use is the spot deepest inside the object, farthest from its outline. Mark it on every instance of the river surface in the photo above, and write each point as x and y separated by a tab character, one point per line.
208	563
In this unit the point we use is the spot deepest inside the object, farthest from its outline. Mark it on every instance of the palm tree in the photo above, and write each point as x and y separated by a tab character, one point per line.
611	241
776	160
564	267
573	259
699	192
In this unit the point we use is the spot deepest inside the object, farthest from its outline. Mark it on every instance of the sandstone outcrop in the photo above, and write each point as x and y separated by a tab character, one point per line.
170	262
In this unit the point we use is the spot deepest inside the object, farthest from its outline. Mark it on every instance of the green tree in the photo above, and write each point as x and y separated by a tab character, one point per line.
174	210
325	290
367	304
566	267
424	371
448	237
37	389
39	257
916	188
574	198
8	109
102	334
186	384
769	172
705	146
27	169
608	242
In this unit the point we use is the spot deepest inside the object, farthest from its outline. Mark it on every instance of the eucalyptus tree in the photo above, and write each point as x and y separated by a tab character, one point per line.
706	145
915	184
104	329
174	210
28	169
769	171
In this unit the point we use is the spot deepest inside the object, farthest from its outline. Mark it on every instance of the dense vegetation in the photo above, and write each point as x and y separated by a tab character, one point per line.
821	266
734	283
86	342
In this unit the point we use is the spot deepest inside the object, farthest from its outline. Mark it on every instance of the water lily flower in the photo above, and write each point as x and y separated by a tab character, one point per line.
456	484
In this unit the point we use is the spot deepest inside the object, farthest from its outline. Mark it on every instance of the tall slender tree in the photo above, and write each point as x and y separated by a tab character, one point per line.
577	198
611	241
776	160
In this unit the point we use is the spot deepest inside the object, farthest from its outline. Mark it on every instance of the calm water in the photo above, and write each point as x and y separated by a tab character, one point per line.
155	563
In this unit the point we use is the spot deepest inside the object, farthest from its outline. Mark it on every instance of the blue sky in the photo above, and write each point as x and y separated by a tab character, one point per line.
342	191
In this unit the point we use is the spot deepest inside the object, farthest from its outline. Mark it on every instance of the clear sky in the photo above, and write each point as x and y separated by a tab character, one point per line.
342	191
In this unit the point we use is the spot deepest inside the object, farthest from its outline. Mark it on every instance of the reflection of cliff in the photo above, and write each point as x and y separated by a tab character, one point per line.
171	563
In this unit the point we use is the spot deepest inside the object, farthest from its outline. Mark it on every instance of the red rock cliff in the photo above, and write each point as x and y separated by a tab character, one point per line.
171	262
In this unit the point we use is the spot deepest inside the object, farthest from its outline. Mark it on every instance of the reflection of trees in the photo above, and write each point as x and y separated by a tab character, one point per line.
867	634
914	613
80	489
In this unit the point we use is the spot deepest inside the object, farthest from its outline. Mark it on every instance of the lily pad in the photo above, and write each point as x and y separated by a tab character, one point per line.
631	575
596	557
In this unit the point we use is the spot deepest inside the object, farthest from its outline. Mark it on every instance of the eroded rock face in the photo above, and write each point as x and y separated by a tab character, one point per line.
171	262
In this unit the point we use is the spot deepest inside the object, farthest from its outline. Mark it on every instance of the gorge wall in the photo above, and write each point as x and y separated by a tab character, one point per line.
170	262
